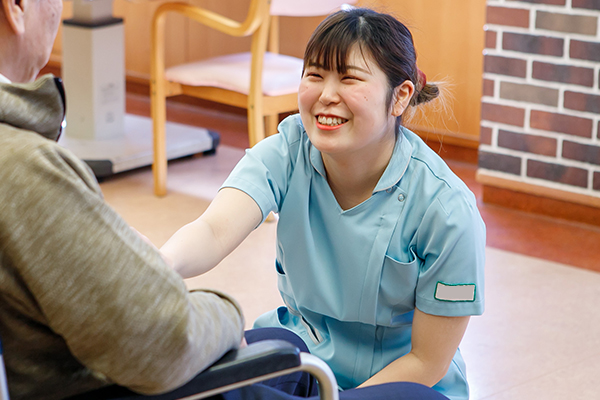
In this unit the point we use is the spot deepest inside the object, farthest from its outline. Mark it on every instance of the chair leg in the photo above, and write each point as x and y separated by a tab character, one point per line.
256	126
159	165
271	122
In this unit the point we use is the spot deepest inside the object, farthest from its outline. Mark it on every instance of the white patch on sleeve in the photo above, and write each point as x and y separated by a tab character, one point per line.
461	292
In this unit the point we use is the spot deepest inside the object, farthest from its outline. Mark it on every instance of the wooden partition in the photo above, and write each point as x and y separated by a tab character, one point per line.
449	39
448	34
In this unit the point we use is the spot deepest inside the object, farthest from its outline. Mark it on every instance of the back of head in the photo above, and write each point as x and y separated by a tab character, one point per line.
381	36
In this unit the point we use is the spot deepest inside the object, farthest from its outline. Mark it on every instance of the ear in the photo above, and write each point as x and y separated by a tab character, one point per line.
14	11
402	95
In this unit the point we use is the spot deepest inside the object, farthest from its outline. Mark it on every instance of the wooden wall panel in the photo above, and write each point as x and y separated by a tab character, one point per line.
448	35
449	39
138	19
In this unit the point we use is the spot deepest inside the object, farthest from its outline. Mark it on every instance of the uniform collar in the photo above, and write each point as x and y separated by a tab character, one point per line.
398	163
393	172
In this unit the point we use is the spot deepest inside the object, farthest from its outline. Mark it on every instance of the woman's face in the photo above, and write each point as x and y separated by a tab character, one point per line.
347	113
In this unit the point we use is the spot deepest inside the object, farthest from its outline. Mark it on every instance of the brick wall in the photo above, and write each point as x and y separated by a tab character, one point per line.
540	117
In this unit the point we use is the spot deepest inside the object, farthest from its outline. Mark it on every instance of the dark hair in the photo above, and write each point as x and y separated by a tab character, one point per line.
381	36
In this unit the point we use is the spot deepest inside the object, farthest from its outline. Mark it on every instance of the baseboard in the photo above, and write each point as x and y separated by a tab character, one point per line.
538	199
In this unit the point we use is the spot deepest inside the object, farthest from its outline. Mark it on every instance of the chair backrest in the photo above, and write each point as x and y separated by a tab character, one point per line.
3	383
306	8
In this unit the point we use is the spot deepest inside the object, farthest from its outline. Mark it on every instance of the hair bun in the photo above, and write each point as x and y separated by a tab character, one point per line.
427	93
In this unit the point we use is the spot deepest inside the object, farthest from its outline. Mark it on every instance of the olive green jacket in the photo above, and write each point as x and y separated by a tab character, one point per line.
84	301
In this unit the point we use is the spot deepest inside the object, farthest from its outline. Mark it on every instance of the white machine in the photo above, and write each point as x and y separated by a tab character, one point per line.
93	71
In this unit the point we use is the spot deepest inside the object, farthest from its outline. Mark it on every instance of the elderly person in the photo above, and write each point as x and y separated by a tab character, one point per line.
84	301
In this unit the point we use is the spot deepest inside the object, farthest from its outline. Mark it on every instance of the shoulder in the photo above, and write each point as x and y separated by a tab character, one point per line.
26	155
292	128
290	132
290	141
435	175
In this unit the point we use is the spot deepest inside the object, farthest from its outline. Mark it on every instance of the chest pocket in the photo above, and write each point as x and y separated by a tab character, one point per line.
397	289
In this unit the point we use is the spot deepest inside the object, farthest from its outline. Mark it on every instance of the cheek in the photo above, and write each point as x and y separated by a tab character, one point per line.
307	95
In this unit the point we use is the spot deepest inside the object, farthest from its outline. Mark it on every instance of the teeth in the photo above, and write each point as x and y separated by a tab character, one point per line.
330	121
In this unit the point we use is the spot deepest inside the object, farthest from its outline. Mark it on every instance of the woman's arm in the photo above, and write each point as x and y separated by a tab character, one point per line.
434	343
200	245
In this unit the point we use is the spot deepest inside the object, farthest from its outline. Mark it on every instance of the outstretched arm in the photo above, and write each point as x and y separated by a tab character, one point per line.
434	343
200	245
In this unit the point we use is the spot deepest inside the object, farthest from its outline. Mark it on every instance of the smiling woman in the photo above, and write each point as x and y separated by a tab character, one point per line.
377	240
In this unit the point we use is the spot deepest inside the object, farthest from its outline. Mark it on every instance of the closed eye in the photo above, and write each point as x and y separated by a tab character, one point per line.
312	75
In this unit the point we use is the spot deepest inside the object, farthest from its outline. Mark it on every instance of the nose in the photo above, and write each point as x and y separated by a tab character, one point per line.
330	93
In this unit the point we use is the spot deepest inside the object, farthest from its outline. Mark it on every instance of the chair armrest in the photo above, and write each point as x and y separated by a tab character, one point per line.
258	11
254	361
249	363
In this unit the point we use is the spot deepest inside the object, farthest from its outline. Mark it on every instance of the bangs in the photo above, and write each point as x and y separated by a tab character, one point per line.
331	43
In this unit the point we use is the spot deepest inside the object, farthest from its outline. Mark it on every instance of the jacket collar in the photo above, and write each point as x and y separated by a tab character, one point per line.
36	106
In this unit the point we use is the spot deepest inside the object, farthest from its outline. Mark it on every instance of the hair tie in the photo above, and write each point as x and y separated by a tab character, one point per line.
422	78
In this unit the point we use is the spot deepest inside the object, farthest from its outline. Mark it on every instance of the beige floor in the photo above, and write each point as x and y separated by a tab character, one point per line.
538	339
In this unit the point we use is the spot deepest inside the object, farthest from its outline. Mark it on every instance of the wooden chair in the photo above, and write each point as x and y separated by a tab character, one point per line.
235	79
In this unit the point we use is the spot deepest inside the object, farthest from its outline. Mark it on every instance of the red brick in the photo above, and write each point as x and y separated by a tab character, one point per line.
503	114
580	24
596	182
561	123
500	162
505	66
488	87
485	135
518	17
557	173
587	4
581	152
533	44
582	102
552	2
527	143
490	39
563	73
585	50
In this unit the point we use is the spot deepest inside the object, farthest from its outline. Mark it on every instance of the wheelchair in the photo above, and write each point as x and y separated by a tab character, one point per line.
257	362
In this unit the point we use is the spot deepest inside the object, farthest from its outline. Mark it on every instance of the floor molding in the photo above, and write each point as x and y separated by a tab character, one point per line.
540	199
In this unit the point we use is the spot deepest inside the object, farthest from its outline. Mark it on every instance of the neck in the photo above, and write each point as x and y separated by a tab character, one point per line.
352	178
12	63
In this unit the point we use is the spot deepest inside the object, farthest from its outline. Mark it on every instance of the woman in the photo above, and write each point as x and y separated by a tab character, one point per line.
380	247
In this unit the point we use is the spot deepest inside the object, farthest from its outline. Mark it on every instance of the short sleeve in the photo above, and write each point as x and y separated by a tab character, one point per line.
264	171
451	243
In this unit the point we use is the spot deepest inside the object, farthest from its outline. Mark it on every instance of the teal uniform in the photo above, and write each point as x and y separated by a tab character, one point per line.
351	279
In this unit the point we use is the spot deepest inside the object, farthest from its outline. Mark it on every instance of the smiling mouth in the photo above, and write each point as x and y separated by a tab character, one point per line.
330	121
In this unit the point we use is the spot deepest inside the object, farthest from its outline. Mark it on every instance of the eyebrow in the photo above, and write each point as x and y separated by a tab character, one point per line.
317	65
